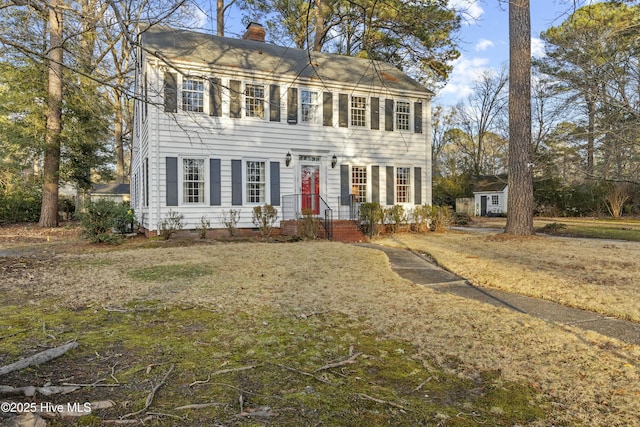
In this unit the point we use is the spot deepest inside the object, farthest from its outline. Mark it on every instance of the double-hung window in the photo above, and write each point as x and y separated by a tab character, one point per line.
256	181
403	114
494	200
192	95
358	111
403	185
254	100
359	183
193	180
309	106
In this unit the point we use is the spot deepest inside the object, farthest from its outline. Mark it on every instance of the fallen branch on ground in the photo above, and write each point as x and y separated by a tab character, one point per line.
349	361
151	395
384	402
30	391
39	358
288	368
198	406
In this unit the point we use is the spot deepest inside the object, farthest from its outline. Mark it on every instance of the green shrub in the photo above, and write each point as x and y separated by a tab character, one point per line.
102	217
265	217
67	207
371	214
21	205
395	217
421	216
171	224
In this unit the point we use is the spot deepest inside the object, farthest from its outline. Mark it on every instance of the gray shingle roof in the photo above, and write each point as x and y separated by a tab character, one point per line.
215	51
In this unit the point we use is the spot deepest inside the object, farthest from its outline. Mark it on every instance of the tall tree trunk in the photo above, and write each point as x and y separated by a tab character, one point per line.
520	202
319	27
121	174
220	17
51	171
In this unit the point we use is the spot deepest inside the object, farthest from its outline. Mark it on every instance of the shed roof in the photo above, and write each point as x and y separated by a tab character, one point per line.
110	189
214	51
490	183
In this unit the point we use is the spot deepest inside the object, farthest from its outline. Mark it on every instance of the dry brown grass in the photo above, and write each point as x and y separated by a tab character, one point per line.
588	378
592	274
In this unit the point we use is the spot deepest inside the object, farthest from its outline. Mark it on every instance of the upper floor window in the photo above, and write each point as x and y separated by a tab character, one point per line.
359	183
403	185
256	181
310	106
358	111
254	99
192	95
193	180
403	111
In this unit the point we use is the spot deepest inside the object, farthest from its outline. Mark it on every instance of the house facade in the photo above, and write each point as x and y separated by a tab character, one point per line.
223	123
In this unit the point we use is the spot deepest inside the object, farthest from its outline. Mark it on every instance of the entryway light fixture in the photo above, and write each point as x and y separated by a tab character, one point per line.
287	159
334	161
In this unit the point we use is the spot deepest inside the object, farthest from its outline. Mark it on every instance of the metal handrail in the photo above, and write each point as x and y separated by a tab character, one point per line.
292	210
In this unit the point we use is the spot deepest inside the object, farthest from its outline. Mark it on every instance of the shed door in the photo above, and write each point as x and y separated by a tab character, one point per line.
483	205
311	188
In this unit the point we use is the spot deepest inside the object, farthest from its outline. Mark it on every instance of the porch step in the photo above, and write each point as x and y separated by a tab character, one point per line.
345	231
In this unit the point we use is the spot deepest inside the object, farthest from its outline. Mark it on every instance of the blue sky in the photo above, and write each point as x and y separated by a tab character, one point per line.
484	39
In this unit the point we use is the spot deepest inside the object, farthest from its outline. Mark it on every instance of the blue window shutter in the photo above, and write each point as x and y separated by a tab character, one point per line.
215	97
417	179
375	184
215	182
345	184
235	99
375	113
417	117
343	110
274	103
275	183
327	109
170	92
388	114
172	181
292	106
236	182
391	182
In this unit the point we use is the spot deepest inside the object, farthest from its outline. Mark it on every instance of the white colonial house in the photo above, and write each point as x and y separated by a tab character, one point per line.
223	123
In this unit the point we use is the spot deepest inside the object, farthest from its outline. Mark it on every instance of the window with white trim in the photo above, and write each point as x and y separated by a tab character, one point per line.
403	115
358	111
494	200
192	95
256	182
254	100
309	106
359	183
193	180
403	185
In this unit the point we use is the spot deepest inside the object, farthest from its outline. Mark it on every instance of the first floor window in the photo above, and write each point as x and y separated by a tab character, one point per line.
403	185
358	111
359	183
256	182
494	200
254	97
193	180
403	110
192	95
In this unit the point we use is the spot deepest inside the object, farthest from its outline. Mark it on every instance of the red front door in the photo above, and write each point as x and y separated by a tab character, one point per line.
311	188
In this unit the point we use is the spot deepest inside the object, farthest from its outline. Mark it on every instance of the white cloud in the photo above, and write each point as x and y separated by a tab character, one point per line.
470	10
537	47
460	85
483	44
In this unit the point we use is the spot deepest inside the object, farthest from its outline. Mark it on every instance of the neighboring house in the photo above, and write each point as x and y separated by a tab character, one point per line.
116	192
490	195
237	123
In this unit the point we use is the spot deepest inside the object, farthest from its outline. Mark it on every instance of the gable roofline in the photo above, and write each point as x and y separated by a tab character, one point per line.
491	183
170	44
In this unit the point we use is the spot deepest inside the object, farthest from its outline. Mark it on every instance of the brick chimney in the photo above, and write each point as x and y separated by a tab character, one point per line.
255	32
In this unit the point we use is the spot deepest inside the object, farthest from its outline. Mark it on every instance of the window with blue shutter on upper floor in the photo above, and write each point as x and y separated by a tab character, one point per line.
254	100
358	111
192	94
403	115
309	106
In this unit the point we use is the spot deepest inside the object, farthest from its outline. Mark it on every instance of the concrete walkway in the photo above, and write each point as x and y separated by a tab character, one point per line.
420	270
